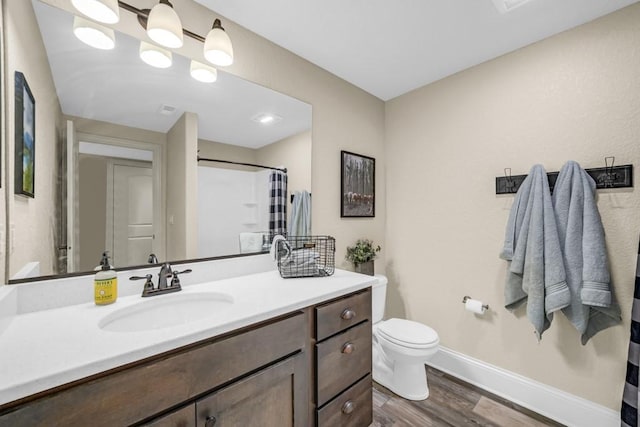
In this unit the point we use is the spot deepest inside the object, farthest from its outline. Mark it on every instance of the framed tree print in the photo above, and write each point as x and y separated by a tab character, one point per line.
25	137
358	184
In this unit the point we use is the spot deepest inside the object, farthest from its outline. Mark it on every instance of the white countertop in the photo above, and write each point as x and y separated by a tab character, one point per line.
44	349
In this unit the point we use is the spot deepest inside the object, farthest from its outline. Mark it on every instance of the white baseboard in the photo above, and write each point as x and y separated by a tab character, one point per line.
555	404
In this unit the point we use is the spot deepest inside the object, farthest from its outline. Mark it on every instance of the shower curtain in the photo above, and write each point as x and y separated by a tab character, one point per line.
630	400
277	203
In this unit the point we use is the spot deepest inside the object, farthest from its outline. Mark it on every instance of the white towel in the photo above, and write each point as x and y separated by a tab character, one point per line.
250	242
274	246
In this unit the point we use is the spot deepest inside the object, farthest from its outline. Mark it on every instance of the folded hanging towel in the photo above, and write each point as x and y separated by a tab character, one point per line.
300	224
250	242
593	307
274	246
299	263
536	272
300	256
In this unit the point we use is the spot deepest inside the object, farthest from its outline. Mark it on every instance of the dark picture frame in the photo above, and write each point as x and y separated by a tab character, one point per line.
25	137
358	185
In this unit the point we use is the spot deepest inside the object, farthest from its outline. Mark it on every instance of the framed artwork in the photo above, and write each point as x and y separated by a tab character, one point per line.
358	185
25	137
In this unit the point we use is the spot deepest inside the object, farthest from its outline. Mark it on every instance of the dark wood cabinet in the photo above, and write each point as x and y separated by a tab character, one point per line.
183	417
145	390
351	408
343	362
275	373
267	399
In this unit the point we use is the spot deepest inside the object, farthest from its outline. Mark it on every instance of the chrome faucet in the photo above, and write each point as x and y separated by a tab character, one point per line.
150	290
153	259
163	275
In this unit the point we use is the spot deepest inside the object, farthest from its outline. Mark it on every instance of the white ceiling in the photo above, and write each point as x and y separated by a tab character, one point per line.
390	47
116	86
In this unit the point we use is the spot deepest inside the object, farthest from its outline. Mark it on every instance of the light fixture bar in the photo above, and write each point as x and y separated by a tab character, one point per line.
143	15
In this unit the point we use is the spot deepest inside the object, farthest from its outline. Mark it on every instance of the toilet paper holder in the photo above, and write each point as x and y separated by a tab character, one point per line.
466	297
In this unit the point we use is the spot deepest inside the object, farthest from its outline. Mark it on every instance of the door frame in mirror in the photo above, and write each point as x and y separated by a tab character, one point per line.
158	166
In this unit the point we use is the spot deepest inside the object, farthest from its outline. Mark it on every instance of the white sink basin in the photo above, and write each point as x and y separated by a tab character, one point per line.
165	311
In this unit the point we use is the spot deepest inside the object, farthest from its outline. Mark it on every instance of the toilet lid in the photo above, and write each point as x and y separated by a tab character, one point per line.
408	333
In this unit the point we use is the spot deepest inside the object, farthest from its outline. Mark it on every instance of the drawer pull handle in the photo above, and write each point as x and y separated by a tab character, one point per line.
348	314
348	407
210	421
348	348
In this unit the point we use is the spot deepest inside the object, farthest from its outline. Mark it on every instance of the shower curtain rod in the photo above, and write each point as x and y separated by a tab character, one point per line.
242	164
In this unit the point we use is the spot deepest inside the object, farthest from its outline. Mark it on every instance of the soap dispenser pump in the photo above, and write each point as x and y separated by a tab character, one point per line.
105	283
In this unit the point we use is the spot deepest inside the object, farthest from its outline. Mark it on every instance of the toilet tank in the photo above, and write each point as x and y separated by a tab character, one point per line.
378	298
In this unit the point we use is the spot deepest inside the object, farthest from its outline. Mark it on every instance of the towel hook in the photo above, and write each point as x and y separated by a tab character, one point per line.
609	177
509	182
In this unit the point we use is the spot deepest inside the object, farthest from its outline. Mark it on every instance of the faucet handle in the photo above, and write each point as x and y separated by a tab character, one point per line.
175	280
148	285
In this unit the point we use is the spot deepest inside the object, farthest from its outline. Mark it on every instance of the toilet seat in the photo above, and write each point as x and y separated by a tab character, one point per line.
407	333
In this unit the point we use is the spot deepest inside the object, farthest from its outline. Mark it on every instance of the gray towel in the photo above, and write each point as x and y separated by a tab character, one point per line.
300	263
536	272
593	307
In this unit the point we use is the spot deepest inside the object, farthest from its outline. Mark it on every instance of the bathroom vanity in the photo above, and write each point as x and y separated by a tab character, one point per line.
290	352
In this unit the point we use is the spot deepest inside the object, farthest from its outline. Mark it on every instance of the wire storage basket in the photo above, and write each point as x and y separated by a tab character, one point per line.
309	256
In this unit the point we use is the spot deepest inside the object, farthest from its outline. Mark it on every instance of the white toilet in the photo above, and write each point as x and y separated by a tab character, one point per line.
400	349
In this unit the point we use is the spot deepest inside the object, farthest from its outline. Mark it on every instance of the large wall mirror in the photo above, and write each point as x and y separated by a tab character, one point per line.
112	143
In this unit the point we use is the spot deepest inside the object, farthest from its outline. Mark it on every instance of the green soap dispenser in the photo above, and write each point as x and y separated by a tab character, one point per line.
105	283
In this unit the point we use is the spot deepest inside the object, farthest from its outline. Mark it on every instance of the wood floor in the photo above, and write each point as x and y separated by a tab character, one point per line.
451	402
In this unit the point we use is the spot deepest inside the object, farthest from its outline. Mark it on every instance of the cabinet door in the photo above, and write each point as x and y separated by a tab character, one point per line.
273	397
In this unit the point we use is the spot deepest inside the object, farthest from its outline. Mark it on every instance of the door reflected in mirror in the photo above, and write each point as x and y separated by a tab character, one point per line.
112	101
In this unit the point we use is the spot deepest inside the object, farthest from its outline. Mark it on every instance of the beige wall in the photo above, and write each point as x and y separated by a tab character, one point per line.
3	155
218	150
112	130
92	208
574	96
182	185
31	219
294	153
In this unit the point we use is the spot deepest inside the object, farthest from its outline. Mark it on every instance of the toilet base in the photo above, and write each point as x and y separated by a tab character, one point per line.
408	381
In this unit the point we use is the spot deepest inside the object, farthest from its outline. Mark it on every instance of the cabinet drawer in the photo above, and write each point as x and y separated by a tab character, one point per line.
342	360
337	316
351	408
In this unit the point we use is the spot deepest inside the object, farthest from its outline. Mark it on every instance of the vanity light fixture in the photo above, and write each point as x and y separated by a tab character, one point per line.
93	34
203	73
164	26
155	56
105	11
217	46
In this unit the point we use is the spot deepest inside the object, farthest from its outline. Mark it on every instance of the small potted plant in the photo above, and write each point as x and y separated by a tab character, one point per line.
362	256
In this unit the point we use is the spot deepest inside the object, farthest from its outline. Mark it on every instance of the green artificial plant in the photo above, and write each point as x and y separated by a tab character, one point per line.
363	251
